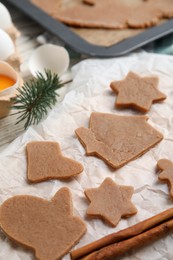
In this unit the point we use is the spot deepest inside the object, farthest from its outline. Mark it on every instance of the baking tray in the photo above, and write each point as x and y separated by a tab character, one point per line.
79	45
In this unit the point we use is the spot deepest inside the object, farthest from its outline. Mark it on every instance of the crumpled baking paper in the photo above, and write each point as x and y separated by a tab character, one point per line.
90	92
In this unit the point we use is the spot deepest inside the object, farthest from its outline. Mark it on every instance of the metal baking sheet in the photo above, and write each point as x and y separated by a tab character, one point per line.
79	45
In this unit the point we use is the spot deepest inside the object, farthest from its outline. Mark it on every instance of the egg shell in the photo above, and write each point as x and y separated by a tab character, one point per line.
7	70
5	21
7	47
6	102
50	57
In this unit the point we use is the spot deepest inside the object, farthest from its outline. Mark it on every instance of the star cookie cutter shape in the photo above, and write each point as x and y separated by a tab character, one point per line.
110	201
137	92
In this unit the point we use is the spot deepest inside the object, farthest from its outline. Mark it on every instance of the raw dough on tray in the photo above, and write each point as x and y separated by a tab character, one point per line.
111	14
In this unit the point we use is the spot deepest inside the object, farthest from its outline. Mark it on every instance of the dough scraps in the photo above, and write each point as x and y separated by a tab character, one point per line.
45	161
47	227
110	201
137	92
117	139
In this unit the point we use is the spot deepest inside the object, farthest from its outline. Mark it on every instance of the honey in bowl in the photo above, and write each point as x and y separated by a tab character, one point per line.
6	82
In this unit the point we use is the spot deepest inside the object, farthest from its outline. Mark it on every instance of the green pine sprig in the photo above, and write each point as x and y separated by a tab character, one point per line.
36	97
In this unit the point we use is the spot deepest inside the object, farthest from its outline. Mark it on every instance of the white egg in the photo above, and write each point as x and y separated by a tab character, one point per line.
50	57
5	17
6	45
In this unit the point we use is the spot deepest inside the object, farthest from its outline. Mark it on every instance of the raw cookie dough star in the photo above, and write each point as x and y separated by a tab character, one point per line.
166	175
136	92
110	201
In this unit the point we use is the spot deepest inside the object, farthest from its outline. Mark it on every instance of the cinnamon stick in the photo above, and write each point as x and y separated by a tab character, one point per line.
120	248
123	234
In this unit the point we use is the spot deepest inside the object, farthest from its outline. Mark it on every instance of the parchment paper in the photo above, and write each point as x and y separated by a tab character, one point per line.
90	92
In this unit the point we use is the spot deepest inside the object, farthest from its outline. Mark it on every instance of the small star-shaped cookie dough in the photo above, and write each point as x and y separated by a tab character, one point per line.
45	161
136	92
110	201
166	174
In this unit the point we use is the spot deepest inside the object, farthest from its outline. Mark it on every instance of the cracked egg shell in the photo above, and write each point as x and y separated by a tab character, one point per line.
6	45
5	21
49	57
7	70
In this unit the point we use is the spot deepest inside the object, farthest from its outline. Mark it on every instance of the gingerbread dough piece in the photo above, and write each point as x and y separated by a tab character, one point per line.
96	16
166	174
90	15
110	201
45	161
48	6
165	7
47	227
136	92
146	15
109	14
117	139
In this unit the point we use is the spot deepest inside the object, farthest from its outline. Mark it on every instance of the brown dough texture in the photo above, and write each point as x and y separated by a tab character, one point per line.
45	161
164	6
137	92
166	167
89	2
110	201
47	227
111	14
117	139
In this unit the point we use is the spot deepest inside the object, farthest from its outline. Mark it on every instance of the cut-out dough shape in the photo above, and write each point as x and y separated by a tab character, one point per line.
166	167
47	227
136	92
110	201
117	139
45	161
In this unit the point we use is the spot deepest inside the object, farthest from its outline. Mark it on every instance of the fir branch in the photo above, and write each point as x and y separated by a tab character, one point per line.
36	97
